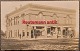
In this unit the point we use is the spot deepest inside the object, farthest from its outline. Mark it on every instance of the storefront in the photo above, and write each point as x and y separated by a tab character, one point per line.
41	23
52	32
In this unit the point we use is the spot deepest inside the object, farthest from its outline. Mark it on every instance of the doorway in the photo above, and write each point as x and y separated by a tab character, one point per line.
36	31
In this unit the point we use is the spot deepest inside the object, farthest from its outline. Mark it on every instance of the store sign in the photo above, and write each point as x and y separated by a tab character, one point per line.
39	22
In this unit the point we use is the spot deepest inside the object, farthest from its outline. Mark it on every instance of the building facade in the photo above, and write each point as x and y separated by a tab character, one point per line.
65	27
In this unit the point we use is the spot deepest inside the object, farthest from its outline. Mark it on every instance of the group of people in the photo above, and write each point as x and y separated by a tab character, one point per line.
68	33
65	32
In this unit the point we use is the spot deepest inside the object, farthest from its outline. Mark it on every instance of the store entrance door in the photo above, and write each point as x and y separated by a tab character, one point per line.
32	34
36	31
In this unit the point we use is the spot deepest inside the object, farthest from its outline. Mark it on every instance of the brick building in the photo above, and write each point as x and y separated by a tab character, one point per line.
65	27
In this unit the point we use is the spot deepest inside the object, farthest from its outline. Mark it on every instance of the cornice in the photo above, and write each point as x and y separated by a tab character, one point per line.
42	7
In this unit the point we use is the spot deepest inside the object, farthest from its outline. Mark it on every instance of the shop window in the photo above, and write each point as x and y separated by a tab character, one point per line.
65	31
59	30
11	33
23	33
33	27
39	27
32	33
53	30
48	30
18	33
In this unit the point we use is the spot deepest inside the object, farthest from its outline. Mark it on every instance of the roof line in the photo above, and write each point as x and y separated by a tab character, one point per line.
42	7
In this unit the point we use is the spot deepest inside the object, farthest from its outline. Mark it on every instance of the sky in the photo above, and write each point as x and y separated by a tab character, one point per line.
9	6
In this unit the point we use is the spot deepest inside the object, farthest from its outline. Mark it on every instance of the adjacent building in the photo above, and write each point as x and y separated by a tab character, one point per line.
65	27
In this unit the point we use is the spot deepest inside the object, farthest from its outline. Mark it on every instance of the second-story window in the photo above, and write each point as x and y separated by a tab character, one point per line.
18	22
11	21
7	22
22	15
14	20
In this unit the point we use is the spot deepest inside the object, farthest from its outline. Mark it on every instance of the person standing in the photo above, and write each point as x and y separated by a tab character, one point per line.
20	36
72	34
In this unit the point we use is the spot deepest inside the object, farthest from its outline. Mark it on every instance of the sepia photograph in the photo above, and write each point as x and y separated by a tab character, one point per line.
40	25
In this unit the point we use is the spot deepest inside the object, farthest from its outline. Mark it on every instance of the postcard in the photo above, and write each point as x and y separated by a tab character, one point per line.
40	25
